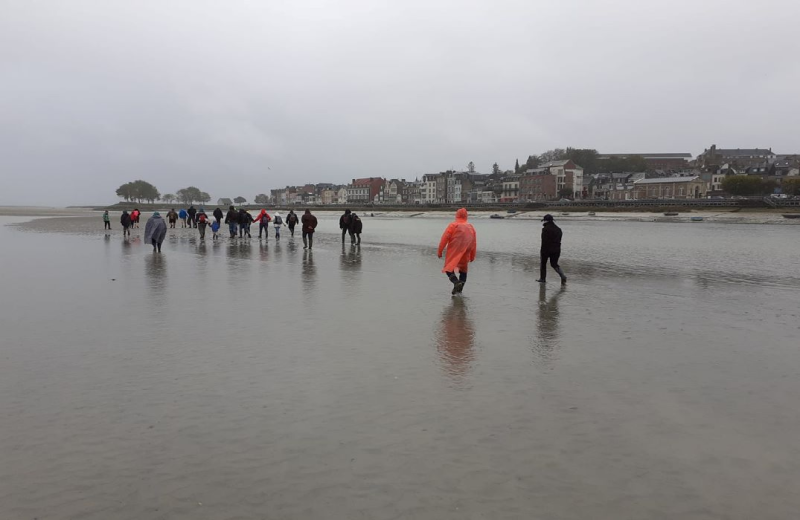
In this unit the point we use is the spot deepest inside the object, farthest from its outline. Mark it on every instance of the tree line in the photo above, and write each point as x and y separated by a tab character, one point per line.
586	158
142	191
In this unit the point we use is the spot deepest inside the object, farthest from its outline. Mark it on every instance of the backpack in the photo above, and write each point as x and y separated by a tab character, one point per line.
278	220
265	219
202	218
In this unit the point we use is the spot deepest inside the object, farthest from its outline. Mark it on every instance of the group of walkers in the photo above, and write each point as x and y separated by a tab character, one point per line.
458	243
351	223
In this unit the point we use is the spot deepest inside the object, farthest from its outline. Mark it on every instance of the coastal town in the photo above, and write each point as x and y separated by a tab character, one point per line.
572	175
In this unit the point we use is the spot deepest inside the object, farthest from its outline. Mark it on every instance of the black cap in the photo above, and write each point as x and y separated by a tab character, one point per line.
548	218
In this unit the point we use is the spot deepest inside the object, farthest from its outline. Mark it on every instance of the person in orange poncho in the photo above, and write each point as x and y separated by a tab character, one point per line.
461	242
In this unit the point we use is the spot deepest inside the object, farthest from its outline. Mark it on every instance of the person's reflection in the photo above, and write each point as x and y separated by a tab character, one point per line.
309	271
263	251
156	275
351	257
546	341
455	340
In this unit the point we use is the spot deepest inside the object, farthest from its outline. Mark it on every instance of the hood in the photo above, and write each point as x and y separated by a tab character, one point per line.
461	214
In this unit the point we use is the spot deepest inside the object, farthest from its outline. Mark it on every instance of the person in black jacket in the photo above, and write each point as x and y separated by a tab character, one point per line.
232	219
344	223
245	219
291	221
551	249
126	222
192	220
218	215
355	228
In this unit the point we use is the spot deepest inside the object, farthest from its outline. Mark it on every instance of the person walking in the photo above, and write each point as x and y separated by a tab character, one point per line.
192	213
245	219
355	228
344	223
214	229
172	218
232	219
309	222
106	221
154	231
135	215
182	215
126	222
550	250
202	222
277	222
291	221
263	220
218	215
460	240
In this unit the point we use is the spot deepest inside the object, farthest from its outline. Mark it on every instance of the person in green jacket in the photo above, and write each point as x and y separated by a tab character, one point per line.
106	221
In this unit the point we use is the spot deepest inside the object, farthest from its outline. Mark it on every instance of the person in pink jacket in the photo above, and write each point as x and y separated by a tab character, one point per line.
461	243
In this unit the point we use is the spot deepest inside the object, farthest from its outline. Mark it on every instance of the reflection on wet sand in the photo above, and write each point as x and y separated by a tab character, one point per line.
156	271
546	341
455	340
351	258
309	270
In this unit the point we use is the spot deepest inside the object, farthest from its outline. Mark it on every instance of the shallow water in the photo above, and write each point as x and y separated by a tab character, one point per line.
258	380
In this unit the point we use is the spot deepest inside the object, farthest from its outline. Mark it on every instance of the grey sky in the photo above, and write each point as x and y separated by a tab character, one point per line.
244	96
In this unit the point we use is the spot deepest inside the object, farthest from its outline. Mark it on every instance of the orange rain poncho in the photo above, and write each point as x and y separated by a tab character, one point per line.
461	242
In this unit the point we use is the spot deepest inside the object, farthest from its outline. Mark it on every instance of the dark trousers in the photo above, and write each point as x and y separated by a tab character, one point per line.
308	239
263	228
344	234
462	276
552	255
156	245
291	229
107	225
202	229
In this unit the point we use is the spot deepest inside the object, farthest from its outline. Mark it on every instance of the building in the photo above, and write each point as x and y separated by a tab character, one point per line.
537	185
364	190
510	191
742	158
225	202
341	195
569	176
670	188
654	161
429	188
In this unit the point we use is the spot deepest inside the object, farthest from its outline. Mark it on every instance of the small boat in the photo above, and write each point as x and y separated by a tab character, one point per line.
511	211
696	219
671	214
591	213
791	215
565	214
496	216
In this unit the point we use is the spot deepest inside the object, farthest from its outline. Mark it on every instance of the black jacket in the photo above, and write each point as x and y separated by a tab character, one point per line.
218	214
191	211
551	237
345	221
232	217
356	224
244	217
292	219
125	220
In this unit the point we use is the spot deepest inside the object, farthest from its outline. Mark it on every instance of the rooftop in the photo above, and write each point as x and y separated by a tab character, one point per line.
648	155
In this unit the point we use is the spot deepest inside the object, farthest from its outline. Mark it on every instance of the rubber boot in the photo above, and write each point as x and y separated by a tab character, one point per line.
562	275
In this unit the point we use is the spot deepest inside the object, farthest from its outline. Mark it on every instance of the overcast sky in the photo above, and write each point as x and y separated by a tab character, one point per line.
238	97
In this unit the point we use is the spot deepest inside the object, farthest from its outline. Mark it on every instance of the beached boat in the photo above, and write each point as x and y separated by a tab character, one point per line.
511	211
565	214
671	214
591	213
696	219
496	216
791	215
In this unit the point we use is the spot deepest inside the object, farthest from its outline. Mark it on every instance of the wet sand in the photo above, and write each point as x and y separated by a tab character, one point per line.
257	380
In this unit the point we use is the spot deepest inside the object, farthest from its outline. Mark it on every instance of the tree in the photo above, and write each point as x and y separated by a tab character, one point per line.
190	195
565	193
240	200
168	197
471	167
261	198
742	185
556	154
791	186
496	169
139	191
516	166
586	158
532	162
205	197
